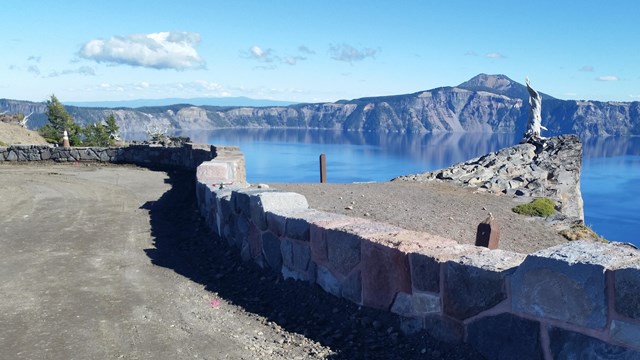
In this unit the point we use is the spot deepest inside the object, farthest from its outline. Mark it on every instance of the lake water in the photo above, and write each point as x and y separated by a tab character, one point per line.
609	183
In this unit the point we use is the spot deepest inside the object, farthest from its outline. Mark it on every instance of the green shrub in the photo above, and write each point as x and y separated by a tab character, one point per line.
542	207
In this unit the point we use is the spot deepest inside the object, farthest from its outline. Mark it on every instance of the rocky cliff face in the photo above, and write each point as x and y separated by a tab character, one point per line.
486	103
549	170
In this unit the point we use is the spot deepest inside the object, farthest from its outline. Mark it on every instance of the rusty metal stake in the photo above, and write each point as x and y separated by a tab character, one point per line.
323	168
488	234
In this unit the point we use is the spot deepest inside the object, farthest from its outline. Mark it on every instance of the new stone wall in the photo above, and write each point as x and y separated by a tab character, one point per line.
577	300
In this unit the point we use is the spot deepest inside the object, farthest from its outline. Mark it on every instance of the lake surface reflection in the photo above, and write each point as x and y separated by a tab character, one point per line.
609	182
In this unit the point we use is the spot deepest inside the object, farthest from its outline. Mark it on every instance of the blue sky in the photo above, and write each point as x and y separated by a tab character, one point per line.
313	51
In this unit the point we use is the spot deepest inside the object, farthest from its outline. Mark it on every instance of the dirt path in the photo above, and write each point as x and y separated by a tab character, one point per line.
112	262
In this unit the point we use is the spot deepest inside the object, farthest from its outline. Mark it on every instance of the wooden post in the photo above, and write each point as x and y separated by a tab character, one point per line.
488	234
323	168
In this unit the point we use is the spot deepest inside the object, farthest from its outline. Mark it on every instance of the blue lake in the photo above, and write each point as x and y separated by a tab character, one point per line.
609	183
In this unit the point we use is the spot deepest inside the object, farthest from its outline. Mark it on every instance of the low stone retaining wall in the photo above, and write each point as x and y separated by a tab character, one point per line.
577	300
188	156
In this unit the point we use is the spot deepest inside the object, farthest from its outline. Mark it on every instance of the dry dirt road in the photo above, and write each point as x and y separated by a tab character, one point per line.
109	262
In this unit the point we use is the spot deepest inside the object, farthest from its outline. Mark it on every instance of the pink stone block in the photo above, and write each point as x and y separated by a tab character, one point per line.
385	272
317	231
410	241
212	171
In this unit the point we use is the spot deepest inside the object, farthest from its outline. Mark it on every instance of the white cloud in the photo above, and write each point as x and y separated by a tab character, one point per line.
34	70
34	58
607	78
256	52
495	55
268	56
305	50
82	70
587	68
162	50
348	53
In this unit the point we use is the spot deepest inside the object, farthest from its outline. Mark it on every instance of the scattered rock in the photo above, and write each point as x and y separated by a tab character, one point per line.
548	169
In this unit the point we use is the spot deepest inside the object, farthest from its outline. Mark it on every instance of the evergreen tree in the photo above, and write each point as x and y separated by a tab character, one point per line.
103	133
59	121
112	128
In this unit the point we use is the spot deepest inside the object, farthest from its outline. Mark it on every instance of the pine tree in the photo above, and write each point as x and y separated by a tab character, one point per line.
59	121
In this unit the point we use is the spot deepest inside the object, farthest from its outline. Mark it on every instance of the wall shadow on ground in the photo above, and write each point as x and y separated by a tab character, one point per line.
184	243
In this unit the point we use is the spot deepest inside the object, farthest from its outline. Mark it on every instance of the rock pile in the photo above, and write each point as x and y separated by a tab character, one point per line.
549	169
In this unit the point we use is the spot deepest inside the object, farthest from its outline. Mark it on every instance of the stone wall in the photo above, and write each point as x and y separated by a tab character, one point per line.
188	156
576	300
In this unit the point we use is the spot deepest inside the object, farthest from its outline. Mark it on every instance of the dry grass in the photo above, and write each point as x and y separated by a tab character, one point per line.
581	232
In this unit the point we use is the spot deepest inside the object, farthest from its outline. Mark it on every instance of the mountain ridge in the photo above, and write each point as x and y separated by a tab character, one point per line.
485	103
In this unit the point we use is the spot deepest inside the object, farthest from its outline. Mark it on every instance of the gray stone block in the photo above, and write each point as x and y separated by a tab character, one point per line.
352	287
425	272
299	219
297	229
241	201
625	333
241	230
343	251
271	250
12	156
416	304
505	336
328	281
444	328
274	201
569	345
296	257
567	282
104	156
627	292
276	223
469	290
23	155
88	154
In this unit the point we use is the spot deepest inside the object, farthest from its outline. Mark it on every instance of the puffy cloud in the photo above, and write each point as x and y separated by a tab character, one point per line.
348	53
495	55
587	68
34	58
163	50
607	78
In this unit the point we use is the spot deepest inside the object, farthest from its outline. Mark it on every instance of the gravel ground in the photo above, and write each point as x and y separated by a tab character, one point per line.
435	207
